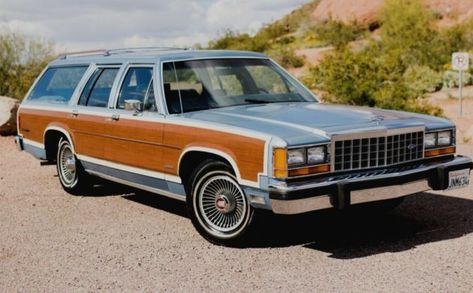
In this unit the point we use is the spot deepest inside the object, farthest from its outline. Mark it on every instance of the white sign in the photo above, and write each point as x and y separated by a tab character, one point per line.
460	61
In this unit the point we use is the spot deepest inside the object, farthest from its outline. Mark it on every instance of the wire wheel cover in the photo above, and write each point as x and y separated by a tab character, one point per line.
67	164
222	204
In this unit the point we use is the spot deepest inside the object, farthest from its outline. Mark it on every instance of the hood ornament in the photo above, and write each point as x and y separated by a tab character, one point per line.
378	119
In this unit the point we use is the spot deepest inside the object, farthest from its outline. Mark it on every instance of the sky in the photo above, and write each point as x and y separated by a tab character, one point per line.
92	24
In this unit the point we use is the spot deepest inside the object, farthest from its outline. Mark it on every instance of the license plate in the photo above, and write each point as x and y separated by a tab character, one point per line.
458	179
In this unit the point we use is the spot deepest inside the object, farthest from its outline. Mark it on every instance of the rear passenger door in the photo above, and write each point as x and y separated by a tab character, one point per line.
137	136
92	114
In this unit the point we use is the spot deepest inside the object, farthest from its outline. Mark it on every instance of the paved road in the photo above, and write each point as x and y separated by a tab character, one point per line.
123	240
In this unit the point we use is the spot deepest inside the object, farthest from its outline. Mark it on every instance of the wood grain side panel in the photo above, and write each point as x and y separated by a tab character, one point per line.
135	143
143	144
33	123
247	152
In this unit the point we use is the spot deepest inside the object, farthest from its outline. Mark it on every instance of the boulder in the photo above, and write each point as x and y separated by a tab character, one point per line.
8	110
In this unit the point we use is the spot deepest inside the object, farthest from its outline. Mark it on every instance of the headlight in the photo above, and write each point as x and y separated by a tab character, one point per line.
444	138
296	157
316	155
430	140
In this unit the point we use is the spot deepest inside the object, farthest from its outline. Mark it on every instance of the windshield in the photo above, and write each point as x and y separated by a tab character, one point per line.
205	84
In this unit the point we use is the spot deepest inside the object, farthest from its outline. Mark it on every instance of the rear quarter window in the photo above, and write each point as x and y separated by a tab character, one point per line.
57	84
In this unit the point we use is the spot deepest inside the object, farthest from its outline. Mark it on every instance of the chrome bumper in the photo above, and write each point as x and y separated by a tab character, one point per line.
19	143
304	197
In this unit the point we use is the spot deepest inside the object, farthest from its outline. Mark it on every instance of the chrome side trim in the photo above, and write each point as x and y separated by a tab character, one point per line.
388	192
130	169
139	186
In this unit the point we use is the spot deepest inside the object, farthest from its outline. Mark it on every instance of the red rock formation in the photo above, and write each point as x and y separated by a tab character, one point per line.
365	11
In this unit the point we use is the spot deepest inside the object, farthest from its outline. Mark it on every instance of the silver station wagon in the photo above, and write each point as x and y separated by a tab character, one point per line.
228	133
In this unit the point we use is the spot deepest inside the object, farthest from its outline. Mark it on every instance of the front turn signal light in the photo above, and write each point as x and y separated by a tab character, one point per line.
309	170
280	163
439	152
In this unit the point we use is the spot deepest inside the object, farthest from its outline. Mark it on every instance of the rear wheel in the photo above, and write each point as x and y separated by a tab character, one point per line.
217	205
71	174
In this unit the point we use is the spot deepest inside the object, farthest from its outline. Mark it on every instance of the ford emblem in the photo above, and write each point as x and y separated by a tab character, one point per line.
412	147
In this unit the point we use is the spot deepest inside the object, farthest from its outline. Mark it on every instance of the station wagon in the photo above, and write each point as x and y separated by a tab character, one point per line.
228	133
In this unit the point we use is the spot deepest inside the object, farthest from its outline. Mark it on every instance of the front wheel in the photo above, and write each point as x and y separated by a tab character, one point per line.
71	174
217	205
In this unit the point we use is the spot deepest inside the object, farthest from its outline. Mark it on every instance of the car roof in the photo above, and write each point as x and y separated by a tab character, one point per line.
151	55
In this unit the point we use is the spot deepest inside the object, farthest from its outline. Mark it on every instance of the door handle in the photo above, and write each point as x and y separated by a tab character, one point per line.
115	117
75	113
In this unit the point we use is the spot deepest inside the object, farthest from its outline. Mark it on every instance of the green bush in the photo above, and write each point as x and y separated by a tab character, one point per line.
238	41
337	33
394	72
286	57
21	61
271	36
451	79
422	79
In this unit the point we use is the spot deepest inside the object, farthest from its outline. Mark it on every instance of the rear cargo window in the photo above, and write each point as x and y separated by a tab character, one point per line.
57	84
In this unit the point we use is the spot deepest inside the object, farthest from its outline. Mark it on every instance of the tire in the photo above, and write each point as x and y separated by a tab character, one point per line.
72	175
217	205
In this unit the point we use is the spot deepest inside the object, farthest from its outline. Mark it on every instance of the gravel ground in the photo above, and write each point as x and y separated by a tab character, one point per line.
124	240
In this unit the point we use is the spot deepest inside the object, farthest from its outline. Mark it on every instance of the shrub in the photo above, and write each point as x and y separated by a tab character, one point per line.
238	41
393	72
451	79
422	79
21	61
337	33
286	57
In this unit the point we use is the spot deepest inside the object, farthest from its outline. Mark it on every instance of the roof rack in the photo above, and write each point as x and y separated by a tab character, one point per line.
83	53
108	52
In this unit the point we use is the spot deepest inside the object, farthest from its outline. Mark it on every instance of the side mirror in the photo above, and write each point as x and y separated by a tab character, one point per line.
134	105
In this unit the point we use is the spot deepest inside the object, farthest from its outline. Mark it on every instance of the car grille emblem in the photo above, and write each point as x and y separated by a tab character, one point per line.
411	147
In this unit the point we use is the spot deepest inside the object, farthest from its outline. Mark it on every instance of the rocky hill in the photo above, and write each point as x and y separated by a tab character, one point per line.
365	11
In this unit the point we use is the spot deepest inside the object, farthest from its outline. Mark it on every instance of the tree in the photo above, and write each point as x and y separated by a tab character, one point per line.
21	61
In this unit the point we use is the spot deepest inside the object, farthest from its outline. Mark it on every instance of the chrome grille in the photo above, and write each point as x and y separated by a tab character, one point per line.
378	151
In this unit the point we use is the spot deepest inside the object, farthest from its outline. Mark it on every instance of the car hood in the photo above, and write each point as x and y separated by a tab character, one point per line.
299	122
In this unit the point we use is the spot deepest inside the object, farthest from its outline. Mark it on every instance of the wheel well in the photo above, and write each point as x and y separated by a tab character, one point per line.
192	159
51	141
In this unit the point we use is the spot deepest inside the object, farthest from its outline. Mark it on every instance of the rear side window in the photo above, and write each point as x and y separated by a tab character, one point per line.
97	90
57	84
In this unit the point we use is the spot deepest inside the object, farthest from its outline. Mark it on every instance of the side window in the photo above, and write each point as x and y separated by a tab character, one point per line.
150	101
135	85
97	90
183	86
57	84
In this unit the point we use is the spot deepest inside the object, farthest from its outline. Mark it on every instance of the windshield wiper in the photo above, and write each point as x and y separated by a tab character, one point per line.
255	101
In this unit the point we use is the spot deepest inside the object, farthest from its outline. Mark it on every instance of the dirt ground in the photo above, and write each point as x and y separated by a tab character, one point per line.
124	240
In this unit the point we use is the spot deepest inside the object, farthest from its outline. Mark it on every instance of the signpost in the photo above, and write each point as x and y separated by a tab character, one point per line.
460	62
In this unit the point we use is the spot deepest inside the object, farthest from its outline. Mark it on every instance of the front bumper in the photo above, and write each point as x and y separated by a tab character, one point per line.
301	197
